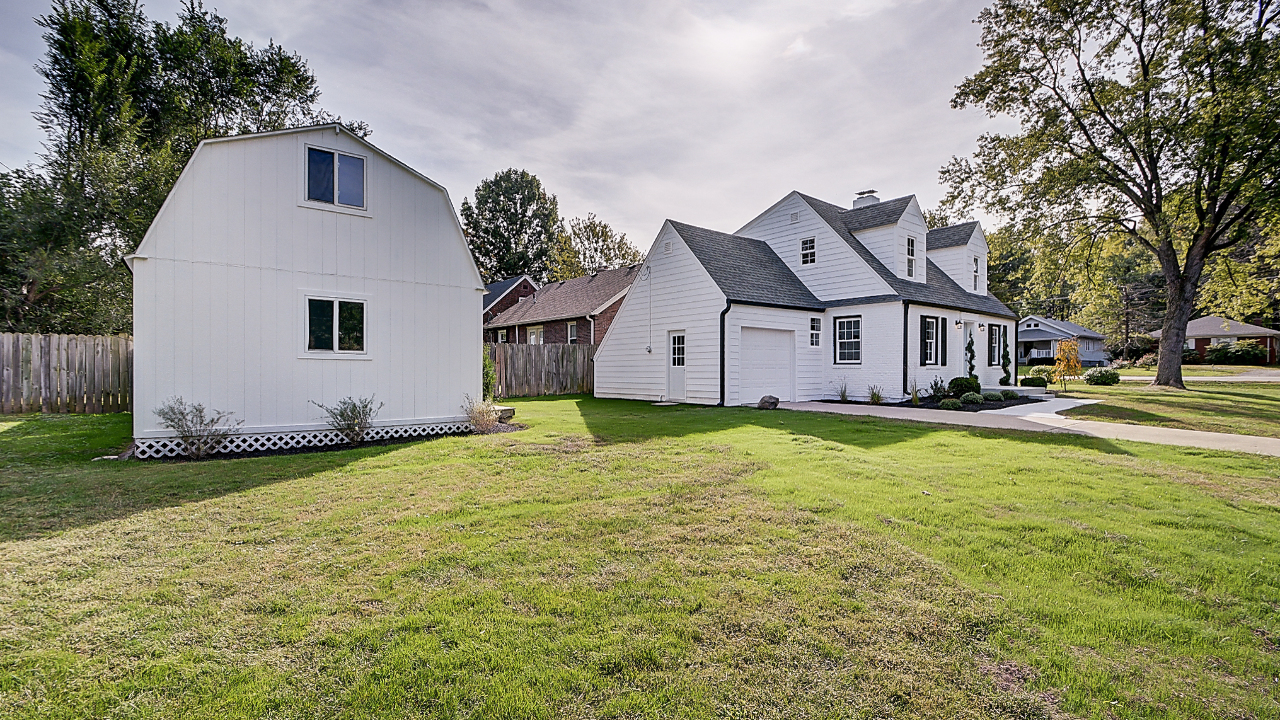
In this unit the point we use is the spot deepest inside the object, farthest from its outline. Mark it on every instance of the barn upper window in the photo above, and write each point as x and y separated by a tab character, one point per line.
335	176
808	251
335	325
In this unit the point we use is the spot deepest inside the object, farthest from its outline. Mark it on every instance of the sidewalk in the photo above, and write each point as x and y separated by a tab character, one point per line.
1043	417
1255	376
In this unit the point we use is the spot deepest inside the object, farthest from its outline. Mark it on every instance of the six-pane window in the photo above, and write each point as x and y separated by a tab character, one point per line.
677	351
995	333
335	325
815	331
849	340
975	274
808	251
930	353
911	257
335	176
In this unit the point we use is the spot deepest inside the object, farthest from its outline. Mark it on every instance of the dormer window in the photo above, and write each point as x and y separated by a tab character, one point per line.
334	176
975	274
911	257
808	251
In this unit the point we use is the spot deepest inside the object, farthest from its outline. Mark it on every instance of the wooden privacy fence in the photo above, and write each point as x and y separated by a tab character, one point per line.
531	370
66	373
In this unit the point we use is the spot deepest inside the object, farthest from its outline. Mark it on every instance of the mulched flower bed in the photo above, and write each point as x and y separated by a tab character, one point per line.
932	405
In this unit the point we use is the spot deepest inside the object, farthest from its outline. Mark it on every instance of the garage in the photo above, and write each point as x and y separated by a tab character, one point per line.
767	365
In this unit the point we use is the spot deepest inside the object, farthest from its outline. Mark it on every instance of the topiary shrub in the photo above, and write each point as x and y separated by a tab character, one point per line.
992	396
961	385
951	404
1009	395
1034	382
1101	376
971	398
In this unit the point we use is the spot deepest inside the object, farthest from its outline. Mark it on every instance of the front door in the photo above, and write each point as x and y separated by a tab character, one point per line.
675	365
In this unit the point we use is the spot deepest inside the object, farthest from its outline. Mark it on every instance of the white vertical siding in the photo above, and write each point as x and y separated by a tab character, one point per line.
218	301
675	294
838	272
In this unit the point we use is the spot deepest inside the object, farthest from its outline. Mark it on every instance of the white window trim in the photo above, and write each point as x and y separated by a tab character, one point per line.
304	319
334	206
911	257
815	334
671	350
571	332
813	253
502	336
835	327
541	333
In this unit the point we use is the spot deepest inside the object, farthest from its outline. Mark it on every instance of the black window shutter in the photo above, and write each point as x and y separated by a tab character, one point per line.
942	341
924	351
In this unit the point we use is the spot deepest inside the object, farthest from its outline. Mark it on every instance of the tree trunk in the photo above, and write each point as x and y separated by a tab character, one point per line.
1182	284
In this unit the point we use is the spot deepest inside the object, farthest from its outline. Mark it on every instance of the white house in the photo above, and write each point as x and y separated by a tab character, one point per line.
304	265
804	299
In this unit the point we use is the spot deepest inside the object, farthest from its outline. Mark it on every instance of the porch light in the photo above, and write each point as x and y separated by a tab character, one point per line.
982	327
959	324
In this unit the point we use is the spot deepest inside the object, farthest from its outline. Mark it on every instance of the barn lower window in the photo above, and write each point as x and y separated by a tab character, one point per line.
677	351
848	340
335	325
815	332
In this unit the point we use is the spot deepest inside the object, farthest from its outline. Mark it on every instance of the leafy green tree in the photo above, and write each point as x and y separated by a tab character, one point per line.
513	226
127	102
591	245
1158	120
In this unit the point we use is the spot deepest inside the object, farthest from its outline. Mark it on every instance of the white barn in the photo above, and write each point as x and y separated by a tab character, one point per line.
300	265
805	298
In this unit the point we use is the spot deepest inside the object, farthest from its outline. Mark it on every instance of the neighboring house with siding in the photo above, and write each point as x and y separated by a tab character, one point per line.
503	294
1038	338
577	311
297	266
1214	330
804	299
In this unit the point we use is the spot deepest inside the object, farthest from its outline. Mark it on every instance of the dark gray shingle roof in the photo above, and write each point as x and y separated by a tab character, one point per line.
885	212
951	236
578	297
746	270
939	288
494	290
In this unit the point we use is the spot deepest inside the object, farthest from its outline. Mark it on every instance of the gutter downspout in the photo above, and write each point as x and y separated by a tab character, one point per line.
906	316
727	304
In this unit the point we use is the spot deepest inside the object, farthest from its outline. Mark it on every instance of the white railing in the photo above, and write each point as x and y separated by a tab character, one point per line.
1037	354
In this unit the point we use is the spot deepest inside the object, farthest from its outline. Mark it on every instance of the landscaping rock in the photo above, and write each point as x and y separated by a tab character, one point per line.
768	402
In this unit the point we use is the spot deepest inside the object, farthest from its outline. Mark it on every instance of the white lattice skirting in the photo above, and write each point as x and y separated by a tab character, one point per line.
171	447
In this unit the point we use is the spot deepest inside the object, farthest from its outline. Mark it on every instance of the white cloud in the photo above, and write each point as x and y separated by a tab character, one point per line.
702	111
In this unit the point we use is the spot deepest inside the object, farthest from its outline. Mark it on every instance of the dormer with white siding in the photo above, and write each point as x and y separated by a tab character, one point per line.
961	252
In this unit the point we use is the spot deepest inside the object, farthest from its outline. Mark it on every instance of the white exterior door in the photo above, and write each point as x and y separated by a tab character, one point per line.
675	365
767	364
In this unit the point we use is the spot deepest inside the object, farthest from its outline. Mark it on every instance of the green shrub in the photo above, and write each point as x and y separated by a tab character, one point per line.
1009	395
875	395
971	398
1043	371
1190	356
962	385
1034	382
937	389
490	375
992	396
1101	376
1148	360
951	404
1242	352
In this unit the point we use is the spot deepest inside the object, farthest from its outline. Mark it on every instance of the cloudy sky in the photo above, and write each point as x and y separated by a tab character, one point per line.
705	112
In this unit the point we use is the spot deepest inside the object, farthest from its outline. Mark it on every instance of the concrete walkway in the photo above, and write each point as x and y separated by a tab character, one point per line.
1043	417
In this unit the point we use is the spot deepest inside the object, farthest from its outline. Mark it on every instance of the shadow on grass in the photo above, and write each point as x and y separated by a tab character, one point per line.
631	420
48	483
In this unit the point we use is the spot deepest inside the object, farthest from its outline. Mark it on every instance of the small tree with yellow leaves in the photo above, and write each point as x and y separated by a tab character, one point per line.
1068	365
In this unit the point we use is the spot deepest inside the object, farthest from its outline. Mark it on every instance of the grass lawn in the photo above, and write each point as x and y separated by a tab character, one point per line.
1246	409
1187	370
622	560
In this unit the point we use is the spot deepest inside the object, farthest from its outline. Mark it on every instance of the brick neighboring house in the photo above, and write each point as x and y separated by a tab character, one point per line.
503	294
576	311
1213	330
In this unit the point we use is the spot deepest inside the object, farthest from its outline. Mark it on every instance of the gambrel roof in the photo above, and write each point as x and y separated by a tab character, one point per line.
746	270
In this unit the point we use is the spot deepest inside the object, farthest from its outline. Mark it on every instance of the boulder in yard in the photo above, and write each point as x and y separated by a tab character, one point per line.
768	402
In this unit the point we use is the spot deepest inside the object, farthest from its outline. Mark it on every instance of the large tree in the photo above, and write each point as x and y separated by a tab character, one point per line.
513	226
126	103
1158	120
591	245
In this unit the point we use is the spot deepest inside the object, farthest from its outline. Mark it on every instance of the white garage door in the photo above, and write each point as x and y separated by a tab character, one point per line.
766	365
